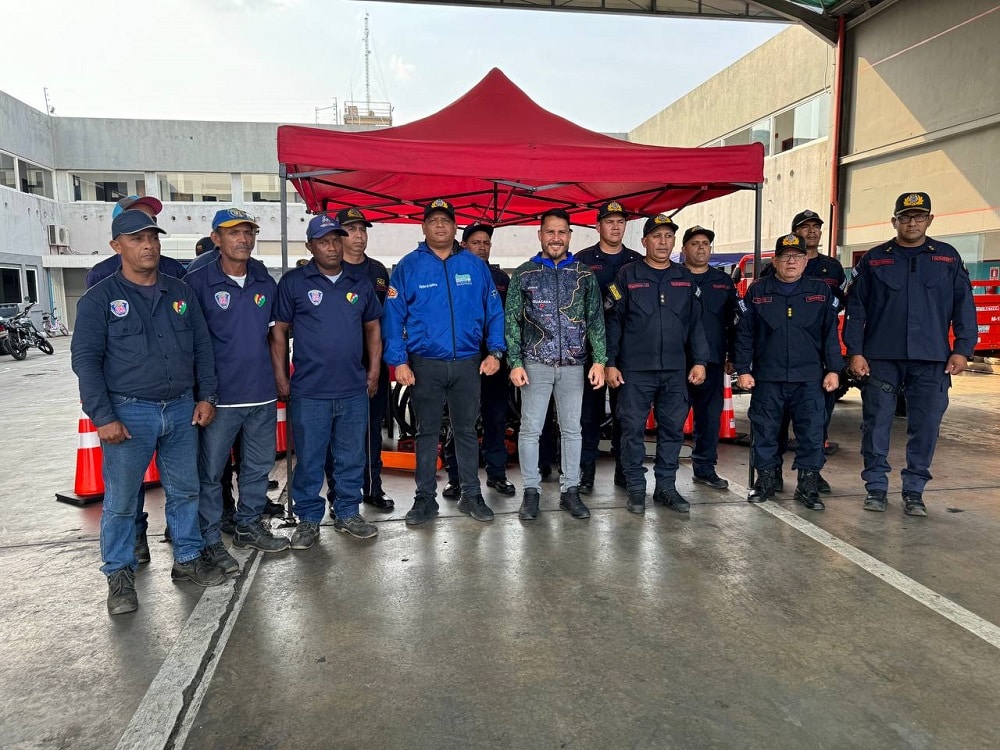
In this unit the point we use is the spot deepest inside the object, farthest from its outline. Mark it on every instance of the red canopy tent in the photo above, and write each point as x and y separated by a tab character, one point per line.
499	157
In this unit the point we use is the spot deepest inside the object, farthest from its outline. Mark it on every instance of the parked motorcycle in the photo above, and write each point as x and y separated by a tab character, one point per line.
52	325
10	341
21	328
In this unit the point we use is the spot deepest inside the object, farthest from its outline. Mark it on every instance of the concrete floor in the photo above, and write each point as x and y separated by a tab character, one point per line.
724	628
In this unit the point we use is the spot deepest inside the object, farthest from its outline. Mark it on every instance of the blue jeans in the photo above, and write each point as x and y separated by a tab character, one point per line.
567	385
320	425
256	460
164	427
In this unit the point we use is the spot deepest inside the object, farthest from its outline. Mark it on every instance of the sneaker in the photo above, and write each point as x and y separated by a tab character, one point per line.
258	535
198	571
141	548
217	555
529	505
228	523
273	509
636	502
121	592
713	480
380	501
764	489
502	485
570	501
305	536
829	448
876	501
587	472
356	526
452	490
671	498
913	504
779	481
423	510
476	507
806	492
822	485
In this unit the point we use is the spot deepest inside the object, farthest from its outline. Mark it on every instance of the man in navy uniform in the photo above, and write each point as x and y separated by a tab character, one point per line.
356	224
334	315
787	352
718	318
605	259
905	296
477	238
143	355
656	347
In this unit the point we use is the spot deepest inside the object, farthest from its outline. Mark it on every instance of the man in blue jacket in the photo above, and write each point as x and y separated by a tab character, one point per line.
143	355
441	304
238	300
905	296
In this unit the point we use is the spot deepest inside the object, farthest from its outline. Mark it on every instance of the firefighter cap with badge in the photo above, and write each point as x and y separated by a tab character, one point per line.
790	243
912	202
655	222
352	215
611	207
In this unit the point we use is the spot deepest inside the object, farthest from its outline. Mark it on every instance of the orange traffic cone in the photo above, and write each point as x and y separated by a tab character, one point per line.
650	421
689	423
281	434
152	476
727	421
88	486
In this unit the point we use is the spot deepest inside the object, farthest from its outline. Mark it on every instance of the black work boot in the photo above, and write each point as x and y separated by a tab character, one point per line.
763	488
636	502
671	498
806	491
121	592
570	500
778	485
587	472
822	485
475	506
913	504
876	501
529	505
423	510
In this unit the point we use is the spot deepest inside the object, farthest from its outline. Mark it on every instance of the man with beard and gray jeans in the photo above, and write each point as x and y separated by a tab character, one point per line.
553	310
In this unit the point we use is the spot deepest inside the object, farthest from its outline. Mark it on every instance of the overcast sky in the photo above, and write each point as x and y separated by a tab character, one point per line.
278	60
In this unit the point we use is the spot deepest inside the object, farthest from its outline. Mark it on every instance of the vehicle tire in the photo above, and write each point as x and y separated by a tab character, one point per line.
45	346
19	353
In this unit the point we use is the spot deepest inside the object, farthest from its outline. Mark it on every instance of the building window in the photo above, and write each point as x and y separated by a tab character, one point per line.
35	180
806	122
760	132
8	177
31	291
108	187
195	187
10	286
266	188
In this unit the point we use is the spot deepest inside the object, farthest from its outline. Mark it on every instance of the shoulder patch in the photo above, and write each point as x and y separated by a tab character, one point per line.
614	291
742	305
392	293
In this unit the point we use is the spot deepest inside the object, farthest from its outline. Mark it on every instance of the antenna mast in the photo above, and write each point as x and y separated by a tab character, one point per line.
368	90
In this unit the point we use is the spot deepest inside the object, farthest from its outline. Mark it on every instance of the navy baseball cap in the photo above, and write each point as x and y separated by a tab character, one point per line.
322	225
611	207
692	231
655	222
803	216
477	227
352	216
912	202
230	217
133	222
790	243
134	201
439	205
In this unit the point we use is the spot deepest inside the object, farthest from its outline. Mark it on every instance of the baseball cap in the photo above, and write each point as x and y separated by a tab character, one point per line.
322	225
803	216
912	202
692	231
351	216
611	207
134	201
133	222
790	243
230	217
660	220
439	204
476	227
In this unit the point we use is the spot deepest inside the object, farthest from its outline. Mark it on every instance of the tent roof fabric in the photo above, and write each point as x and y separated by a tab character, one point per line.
499	157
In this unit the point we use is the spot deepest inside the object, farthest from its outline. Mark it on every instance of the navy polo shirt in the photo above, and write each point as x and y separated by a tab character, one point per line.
239	319
327	323
149	343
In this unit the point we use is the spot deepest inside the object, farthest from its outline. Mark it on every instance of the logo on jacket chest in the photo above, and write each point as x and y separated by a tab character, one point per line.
119	308
463	279
222	299
315	296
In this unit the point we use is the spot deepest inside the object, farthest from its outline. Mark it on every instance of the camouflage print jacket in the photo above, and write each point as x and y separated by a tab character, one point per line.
552	312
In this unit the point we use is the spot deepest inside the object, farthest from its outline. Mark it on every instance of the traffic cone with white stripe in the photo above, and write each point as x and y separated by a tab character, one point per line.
281	432
88	486
152	476
689	423
727	421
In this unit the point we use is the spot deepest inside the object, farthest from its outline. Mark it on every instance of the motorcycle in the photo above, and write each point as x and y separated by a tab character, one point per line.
10	341
22	329
52	325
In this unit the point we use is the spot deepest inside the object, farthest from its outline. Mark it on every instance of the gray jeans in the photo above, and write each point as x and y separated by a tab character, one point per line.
567	383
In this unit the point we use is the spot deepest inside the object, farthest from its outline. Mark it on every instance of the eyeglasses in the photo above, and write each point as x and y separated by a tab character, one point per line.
913	218
788	258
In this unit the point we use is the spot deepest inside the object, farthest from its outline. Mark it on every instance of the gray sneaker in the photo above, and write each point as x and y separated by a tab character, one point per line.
198	571
259	536
121	592
356	526
217	555
306	535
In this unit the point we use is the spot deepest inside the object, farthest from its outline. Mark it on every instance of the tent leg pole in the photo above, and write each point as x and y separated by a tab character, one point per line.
283	190
757	228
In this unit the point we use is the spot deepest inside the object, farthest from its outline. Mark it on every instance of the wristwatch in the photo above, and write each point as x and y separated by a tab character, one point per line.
213	399
497	354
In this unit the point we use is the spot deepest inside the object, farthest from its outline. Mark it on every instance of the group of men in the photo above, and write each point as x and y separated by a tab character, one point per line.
562	328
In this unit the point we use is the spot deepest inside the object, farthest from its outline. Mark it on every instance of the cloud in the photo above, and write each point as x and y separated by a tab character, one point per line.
401	71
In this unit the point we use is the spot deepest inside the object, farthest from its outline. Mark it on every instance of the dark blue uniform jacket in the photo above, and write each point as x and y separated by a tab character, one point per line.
718	312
